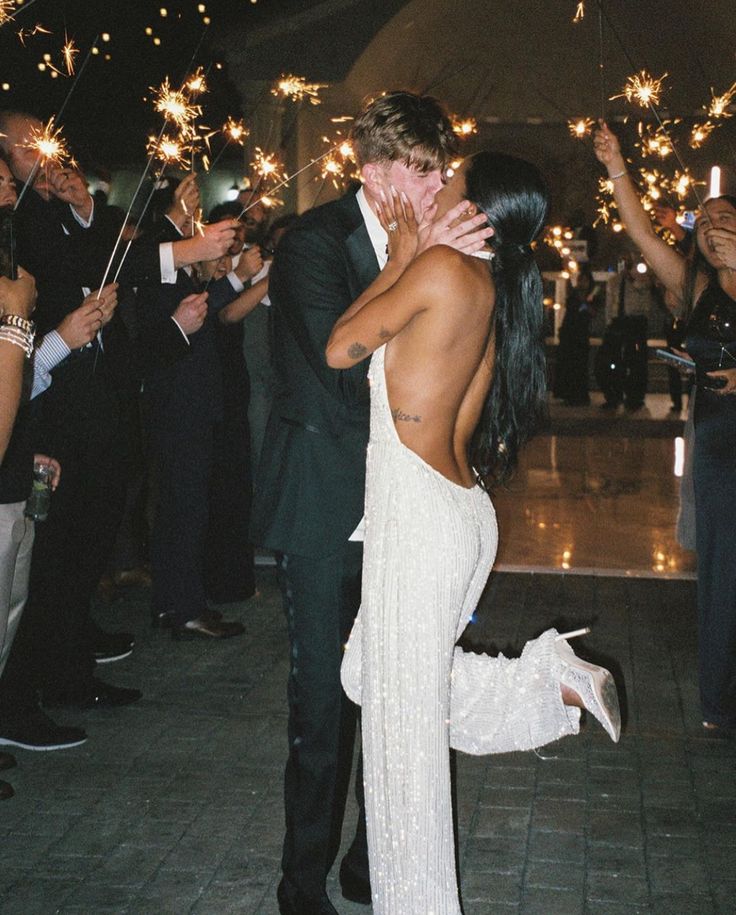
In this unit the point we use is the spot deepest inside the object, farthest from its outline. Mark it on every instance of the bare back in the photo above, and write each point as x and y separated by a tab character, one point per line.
439	370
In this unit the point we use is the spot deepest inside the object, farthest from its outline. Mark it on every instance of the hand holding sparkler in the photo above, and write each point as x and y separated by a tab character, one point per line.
81	326
208	244
608	151
69	186
191	312
186	201
250	263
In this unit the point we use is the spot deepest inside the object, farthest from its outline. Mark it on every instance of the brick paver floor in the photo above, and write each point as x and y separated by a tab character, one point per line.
174	804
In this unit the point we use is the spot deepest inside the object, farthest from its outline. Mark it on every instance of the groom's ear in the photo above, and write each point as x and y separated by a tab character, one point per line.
371	176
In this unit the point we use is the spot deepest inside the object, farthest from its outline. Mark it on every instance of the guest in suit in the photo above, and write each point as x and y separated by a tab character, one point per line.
183	407
84	420
309	494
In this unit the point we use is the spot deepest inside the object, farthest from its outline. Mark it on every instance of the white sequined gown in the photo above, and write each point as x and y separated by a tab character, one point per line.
429	547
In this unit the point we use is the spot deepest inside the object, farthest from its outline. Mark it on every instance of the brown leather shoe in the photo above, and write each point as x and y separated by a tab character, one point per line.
207	626
139	577
7	761
6	791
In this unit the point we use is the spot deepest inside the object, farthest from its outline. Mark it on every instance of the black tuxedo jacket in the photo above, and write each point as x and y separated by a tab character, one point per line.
310	484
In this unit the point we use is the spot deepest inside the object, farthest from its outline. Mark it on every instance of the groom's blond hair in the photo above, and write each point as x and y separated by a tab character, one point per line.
404	127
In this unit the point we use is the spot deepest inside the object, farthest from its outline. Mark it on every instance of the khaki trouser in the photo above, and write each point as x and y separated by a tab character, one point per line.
16	544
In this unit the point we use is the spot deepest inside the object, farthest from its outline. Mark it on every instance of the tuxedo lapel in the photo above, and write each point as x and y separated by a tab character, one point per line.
360	250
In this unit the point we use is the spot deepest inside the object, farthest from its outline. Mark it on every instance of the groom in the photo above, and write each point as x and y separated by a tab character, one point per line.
311	480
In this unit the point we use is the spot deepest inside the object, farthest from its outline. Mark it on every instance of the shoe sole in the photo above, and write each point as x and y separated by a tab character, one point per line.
4	741
597	688
118	657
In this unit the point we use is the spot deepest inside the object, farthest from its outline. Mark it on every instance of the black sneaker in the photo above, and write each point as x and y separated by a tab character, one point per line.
112	646
38	732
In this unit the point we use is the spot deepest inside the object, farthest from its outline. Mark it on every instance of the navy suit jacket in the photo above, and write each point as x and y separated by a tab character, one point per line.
310	484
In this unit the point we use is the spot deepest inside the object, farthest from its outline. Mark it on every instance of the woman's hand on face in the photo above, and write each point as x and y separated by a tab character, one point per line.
396	215
730	376
462	228
722	242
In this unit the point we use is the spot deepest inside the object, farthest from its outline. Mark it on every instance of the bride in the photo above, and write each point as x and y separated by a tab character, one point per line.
457	386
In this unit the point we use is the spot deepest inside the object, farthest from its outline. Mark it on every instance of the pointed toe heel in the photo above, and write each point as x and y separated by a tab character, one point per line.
593	684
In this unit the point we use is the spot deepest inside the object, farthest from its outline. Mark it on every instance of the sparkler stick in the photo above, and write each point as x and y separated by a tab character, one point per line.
650	102
286	180
601	61
34	171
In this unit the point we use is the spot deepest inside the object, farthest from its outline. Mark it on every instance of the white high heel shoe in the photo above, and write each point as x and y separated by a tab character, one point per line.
594	685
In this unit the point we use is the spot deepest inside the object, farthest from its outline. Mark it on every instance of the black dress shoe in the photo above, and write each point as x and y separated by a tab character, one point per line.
164	619
293	902
207	626
32	729
7	761
94	694
112	646
354	888
6	791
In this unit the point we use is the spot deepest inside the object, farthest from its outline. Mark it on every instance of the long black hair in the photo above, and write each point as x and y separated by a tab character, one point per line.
697	265
514	197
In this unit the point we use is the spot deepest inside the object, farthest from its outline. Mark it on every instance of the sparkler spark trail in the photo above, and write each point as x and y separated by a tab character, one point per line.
69	52
642	89
29	33
700	133
465	127
581	127
580	11
174	105
48	142
720	103
656	141
297	88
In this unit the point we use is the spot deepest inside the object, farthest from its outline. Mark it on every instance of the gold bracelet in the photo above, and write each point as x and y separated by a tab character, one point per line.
16	321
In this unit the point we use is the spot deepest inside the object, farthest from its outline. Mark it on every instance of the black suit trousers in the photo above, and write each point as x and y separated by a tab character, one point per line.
321	600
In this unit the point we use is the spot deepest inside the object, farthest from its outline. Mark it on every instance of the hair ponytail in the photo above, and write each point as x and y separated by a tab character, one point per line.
514	197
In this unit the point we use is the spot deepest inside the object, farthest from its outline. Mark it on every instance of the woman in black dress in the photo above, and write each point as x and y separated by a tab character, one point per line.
707	286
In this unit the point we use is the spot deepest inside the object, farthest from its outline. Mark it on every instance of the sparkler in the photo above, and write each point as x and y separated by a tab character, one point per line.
700	133
69	52
465	127
167	150
579	11
719	104
264	197
174	105
267	166
642	89
581	128
656	141
9	12
197	83
297	89
48	142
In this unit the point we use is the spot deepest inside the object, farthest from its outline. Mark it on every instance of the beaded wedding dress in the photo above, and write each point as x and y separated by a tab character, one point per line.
429	547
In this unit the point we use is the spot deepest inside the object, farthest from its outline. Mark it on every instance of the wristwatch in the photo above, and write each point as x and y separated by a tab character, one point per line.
16	321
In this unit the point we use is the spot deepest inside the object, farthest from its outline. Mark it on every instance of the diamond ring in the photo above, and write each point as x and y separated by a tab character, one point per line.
392	226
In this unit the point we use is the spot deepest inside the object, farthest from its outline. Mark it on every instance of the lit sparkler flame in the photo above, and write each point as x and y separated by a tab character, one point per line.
7	8
656	141
267	166
48	142
579	11
69	51
167	150
175	107
297	88
581	127
465	127
700	133
719	104
29	33
197	83
235	131
642	89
